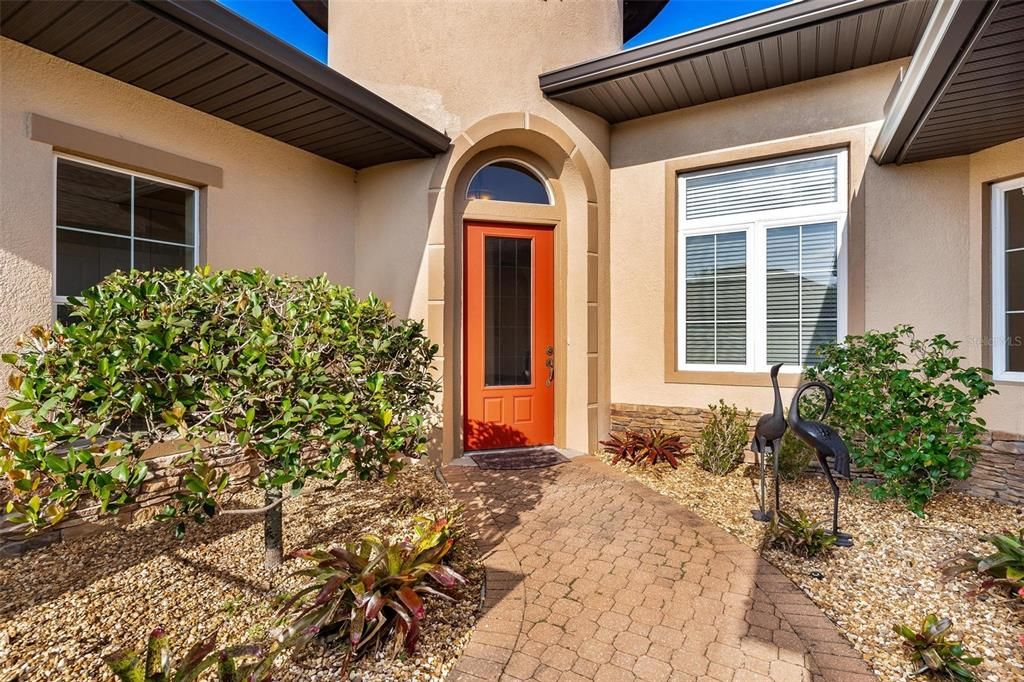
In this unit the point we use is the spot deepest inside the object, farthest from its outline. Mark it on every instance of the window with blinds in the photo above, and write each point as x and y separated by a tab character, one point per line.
716	299
761	272
801	285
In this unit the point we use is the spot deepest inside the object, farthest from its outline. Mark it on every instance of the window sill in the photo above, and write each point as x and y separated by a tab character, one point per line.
729	378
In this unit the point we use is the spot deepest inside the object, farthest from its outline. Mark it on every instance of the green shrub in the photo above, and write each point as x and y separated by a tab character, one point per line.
794	457
907	409
933	652
299	375
723	438
799	534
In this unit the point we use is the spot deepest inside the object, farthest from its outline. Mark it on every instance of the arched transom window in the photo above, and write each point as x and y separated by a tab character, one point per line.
508	180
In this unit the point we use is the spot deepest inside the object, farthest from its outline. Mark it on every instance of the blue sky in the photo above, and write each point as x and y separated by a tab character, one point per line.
685	15
286	21
283	19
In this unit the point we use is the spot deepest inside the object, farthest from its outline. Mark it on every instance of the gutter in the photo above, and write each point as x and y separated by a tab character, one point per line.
948	39
222	26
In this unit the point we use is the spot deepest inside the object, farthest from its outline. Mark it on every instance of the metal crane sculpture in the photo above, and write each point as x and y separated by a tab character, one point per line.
768	439
826	443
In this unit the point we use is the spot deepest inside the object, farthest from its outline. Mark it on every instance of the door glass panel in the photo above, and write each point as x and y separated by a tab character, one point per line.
508	311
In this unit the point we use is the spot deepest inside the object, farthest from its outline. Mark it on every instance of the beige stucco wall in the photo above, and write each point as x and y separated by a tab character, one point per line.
922	227
1006	411
457	65
279	208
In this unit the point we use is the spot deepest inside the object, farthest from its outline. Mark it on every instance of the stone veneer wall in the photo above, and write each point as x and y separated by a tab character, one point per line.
163	481
998	475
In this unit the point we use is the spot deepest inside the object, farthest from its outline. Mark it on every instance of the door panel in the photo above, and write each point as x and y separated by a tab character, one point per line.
509	373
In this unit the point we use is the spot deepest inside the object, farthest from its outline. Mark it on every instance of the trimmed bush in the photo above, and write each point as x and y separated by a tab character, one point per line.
723	438
300	375
907	408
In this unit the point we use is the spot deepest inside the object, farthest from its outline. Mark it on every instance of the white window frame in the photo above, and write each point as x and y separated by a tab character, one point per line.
999	280
62	300
756	224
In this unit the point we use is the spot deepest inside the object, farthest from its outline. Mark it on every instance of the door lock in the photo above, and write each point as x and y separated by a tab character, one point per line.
550	364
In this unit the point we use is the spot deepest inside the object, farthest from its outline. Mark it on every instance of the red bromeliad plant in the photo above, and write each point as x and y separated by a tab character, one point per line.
645	447
1002	570
367	589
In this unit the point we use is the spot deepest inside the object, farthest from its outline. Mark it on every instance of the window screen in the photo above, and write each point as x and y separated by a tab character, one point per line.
109	221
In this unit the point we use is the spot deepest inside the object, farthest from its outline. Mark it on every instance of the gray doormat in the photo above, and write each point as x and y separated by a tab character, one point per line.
535	458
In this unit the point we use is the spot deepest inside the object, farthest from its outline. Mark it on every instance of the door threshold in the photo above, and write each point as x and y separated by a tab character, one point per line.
467	461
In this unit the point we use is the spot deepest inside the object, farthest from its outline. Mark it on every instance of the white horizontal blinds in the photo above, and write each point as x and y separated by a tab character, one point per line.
803	182
716	299
801	287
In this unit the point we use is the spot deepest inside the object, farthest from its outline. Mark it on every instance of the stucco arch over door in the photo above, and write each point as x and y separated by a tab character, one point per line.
581	374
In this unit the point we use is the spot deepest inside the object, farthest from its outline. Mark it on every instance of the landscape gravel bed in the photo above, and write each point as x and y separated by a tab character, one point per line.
891	573
65	606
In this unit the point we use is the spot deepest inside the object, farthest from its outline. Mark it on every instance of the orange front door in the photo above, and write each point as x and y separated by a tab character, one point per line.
510	336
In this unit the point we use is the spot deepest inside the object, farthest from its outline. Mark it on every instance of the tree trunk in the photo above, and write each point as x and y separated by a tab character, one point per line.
273	529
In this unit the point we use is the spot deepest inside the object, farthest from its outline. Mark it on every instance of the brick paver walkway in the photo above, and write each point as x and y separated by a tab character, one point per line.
592	576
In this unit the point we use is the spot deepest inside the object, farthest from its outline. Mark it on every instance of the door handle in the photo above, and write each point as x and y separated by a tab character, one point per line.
550	364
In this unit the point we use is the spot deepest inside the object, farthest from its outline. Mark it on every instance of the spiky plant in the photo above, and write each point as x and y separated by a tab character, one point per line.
366	590
932	651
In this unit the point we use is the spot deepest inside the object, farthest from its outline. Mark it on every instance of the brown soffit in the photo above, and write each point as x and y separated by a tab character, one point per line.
961	92
787	44
205	56
98	146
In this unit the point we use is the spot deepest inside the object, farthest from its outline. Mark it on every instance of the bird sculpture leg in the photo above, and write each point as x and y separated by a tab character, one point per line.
842	539
761	452
776	451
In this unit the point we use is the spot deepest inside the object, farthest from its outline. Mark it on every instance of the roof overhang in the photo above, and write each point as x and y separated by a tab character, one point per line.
794	42
962	91
205	56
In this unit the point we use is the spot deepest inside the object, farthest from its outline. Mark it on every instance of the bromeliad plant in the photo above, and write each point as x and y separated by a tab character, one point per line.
799	534
369	589
297	375
1003	569
932	651
155	664
645	447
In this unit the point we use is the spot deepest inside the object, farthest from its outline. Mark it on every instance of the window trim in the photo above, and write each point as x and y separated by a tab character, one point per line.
756	224
540	177
999	277
57	156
